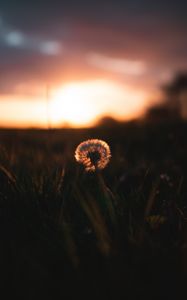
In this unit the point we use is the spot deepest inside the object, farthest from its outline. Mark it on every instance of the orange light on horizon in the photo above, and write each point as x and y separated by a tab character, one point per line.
70	105
83	103
77	104
21	112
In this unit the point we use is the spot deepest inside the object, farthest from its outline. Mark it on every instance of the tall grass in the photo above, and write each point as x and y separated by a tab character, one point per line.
122	231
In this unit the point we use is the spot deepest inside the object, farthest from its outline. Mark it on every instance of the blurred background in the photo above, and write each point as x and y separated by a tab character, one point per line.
80	63
115	70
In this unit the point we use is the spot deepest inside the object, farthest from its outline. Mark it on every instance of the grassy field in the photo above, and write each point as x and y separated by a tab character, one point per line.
67	233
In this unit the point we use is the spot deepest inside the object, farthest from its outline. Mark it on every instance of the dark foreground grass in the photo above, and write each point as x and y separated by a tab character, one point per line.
66	234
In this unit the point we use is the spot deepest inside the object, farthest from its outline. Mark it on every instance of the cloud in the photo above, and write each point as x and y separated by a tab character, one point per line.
134	42
122	66
14	38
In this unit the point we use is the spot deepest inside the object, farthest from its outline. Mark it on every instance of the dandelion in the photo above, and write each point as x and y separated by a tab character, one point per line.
93	154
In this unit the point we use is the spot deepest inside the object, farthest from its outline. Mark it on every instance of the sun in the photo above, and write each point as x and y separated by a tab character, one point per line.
70	104
81	104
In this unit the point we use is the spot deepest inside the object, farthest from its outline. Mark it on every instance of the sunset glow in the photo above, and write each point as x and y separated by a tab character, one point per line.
82	103
76	104
71	105
104	59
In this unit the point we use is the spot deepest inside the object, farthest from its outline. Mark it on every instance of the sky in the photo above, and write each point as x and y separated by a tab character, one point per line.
91	58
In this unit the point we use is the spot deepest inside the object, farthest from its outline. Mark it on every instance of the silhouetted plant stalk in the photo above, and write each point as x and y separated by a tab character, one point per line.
97	221
48	106
109	197
8	178
94	155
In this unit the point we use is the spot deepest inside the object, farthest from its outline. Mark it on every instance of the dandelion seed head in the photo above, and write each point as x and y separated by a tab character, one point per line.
93	154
